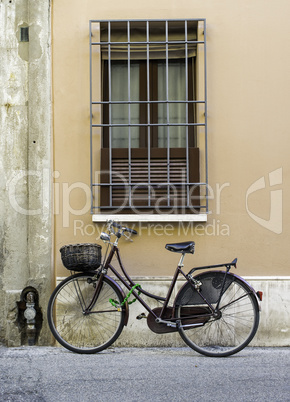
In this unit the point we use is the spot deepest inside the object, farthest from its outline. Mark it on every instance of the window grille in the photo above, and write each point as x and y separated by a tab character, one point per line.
148	116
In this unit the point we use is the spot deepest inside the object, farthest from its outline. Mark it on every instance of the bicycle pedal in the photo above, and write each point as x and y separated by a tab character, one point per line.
140	316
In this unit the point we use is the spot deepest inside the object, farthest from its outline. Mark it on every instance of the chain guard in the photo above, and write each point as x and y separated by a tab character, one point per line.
160	328
189	315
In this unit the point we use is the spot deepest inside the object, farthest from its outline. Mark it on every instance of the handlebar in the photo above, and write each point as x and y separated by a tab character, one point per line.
106	237
123	228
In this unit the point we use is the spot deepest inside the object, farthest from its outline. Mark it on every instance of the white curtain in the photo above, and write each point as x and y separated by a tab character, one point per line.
120	112
173	112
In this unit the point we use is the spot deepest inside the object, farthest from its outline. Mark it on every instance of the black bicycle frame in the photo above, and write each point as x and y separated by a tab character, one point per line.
130	283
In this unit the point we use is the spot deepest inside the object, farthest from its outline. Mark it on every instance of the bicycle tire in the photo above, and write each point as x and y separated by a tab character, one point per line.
79	332
236	324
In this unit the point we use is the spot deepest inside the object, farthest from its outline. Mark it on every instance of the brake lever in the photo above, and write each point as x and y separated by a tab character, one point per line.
127	237
109	225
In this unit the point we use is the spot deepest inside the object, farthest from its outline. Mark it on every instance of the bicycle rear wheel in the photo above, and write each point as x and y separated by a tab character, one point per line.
236	321
77	330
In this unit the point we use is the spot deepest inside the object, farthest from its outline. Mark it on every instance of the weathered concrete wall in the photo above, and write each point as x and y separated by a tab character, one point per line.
25	143
274	316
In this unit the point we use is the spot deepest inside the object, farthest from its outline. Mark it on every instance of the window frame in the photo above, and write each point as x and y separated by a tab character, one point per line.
144	126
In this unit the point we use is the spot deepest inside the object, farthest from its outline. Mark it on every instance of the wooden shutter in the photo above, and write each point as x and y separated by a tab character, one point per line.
137	195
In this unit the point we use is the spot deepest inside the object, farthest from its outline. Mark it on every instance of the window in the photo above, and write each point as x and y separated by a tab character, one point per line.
148	116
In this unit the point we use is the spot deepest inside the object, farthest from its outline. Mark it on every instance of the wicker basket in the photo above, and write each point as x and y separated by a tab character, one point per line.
81	257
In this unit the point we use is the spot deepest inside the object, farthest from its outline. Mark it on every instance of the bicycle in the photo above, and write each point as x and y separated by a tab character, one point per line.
215	312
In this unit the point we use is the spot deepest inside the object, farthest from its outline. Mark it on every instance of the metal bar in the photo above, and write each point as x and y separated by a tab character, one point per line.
110	110
135	294
170	290
167	113
186	111
205	115
129	113
148	111
142	184
153	20
196	207
91	119
181	206
176	42
149	125
139	102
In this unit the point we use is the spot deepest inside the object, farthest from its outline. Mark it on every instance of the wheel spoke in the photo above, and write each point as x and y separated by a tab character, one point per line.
235	326
80	331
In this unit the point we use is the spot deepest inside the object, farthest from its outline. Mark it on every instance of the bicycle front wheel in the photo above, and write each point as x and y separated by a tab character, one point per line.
236	320
81	330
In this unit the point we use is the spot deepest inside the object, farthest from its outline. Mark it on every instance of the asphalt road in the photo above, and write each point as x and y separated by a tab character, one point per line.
149	374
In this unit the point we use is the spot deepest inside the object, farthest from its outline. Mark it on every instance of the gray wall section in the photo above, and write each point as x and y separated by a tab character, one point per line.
25	163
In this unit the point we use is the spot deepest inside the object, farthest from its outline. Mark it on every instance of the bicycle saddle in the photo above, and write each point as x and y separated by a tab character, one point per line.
186	247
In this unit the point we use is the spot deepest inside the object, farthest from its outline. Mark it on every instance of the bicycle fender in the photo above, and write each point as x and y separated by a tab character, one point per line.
252	290
205	274
125	306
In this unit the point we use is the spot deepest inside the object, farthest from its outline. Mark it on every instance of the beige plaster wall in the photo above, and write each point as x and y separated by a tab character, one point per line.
248	100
